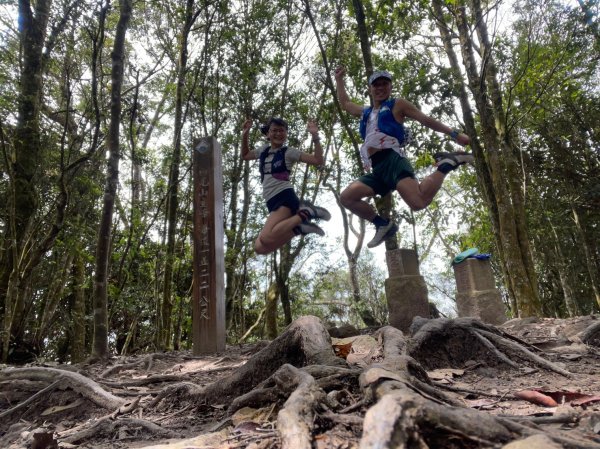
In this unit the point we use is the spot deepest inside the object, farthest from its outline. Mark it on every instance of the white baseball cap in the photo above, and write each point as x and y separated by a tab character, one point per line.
380	74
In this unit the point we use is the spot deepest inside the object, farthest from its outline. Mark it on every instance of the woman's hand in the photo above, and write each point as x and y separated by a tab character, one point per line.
313	128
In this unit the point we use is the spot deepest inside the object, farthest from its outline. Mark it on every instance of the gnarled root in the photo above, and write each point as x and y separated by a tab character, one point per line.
294	420
81	384
443	343
304	342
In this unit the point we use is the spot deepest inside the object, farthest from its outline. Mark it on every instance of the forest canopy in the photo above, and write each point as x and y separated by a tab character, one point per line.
100	103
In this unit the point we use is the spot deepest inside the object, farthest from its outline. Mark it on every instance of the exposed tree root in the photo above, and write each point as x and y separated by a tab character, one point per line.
77	382
147	362
295	419
304	342
270	391
591	335
450	343
392	401
31	400
177	393
403	418
109	426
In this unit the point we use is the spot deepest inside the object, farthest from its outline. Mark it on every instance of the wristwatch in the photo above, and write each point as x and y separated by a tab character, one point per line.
454	134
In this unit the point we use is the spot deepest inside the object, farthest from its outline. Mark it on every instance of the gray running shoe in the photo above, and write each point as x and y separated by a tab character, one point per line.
454	159
383	233
310	228
315	212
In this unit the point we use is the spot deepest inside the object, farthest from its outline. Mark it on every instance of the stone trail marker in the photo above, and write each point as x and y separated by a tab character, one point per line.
405	289
208	299
476	292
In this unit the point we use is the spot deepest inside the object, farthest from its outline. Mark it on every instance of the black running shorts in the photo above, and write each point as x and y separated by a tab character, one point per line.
287	198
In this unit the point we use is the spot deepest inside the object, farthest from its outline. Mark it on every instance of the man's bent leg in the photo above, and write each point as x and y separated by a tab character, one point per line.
420	195
352	199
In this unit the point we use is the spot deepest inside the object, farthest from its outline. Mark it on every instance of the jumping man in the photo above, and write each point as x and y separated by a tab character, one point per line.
382	128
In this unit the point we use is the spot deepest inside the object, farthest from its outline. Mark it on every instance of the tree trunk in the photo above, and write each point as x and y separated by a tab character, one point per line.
53	296
590	261
564	276
523	275
165	329
351	255
27	149
32	31
100	338
236	256
497	169
282	276
271	310
78	310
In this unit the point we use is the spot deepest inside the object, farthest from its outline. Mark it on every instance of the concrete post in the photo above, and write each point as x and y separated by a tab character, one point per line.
477	295
405	288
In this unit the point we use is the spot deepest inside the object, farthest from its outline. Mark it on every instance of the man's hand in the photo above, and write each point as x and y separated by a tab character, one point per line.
339	73
246	126
313	128
463	139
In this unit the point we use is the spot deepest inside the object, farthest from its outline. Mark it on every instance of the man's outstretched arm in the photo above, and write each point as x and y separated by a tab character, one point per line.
347	105
405	108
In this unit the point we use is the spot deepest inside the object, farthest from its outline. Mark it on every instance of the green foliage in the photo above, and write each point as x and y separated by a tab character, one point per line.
258	59
327	293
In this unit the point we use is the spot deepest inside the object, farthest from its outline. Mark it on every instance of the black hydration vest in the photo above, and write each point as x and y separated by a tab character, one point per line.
278	167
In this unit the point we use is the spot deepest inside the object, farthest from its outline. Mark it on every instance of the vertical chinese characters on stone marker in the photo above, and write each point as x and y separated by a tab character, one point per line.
204	247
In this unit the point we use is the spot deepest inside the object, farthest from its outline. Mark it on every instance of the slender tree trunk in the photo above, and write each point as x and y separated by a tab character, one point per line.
249	55
590	260
78	310
53	296
271	310
100	337
351	255
384	205
236	279
564	276
165	329
282	275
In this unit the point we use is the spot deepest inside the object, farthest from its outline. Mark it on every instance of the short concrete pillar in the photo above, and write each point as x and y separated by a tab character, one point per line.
405	289
476	292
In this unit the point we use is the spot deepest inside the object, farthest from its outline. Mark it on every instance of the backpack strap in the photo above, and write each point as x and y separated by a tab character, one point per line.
262	158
